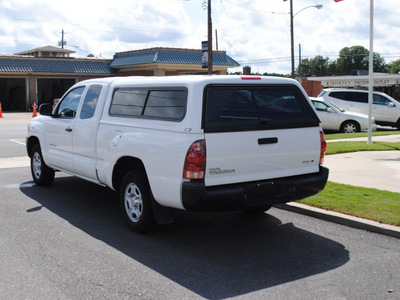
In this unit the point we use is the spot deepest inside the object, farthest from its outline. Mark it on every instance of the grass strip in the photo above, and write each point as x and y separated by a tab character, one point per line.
337	136
367	203
352	146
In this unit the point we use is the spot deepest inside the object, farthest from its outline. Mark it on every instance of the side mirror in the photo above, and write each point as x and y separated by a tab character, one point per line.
45	109
329	110
391	104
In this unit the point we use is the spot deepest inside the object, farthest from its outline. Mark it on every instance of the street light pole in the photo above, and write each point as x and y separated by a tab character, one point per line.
318	6
371	70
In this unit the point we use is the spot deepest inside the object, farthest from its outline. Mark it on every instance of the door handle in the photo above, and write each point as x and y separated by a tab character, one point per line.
68	129
265	141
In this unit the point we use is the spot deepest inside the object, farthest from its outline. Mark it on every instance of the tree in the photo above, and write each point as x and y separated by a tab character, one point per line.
379	64
357	58
318	66
353	58
395	67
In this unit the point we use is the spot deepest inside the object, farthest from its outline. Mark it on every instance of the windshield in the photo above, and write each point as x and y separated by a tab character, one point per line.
334	107
322	93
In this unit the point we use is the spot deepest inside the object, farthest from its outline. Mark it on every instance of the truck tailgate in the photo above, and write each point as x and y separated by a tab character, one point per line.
257	155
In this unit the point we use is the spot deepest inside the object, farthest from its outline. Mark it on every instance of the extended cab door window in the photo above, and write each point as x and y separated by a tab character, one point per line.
69	104
90	101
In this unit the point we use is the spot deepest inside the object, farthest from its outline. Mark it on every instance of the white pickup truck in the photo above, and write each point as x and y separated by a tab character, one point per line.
199	143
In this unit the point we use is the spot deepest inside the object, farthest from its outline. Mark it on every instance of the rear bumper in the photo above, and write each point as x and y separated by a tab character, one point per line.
197	197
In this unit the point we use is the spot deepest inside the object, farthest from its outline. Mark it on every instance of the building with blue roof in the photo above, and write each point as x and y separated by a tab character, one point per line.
43	74
169	61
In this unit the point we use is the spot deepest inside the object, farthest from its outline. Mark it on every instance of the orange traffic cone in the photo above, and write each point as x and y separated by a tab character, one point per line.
34	110
1	111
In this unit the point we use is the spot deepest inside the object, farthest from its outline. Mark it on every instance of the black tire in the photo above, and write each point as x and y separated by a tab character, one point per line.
135	202
41	173
398	124
350	127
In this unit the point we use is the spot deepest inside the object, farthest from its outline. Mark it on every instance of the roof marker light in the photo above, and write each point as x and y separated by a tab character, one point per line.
250	77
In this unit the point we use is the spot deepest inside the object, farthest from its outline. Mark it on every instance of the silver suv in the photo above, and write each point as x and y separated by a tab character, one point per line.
385	109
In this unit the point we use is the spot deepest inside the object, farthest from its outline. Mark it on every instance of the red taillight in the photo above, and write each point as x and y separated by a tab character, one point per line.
324	146
195	162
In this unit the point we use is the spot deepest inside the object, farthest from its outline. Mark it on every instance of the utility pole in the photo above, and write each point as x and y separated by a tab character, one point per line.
291	38
210	67
62	43
62	38
216	39
300	60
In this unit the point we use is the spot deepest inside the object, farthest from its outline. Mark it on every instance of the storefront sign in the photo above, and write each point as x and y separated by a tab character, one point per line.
204	56
354	81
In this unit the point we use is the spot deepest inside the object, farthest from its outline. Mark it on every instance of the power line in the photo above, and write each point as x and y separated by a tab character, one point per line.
282	59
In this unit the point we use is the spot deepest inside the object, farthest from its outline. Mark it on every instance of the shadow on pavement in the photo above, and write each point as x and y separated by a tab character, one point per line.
213	255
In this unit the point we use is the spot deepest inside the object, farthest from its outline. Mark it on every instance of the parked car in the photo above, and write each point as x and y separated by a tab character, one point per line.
335	119
385	109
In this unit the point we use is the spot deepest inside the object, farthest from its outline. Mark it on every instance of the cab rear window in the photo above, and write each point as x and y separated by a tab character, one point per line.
243	108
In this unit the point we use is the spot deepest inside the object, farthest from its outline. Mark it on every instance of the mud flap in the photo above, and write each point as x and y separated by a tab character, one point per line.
163	215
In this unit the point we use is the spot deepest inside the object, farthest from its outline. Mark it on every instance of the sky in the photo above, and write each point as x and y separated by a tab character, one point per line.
255	33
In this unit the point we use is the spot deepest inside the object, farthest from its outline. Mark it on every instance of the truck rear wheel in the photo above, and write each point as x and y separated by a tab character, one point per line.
135	201
41	173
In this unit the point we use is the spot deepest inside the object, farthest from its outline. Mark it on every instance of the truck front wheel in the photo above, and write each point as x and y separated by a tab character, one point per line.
135	201
41	173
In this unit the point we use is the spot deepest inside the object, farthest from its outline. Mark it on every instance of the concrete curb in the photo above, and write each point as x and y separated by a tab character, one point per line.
331	216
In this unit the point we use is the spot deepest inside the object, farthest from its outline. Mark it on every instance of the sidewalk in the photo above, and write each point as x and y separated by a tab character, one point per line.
371	169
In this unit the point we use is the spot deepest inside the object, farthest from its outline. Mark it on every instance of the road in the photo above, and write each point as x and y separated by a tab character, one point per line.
69	241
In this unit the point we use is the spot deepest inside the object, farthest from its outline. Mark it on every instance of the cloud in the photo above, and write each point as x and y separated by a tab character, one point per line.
253	32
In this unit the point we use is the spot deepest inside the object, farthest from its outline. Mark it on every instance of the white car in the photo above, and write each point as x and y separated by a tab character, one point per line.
385	109
335	119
